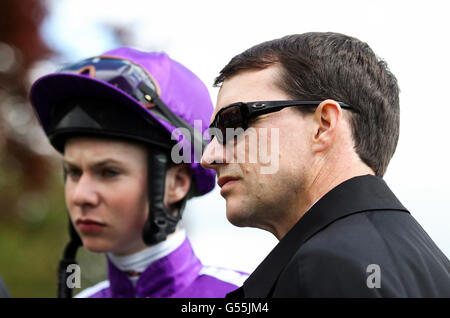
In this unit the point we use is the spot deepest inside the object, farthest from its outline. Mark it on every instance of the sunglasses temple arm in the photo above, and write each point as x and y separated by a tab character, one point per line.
196	136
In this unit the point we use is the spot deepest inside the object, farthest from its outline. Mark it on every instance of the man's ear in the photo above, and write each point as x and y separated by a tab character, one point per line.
178	183
327	118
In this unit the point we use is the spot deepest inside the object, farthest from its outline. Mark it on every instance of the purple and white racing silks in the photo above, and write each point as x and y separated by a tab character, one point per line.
172	270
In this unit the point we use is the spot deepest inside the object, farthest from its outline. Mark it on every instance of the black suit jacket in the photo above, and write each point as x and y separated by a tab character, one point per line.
335	248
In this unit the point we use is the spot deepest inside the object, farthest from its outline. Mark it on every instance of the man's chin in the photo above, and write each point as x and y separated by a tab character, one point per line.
237	216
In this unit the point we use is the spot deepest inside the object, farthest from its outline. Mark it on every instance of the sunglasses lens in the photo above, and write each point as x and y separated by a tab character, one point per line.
231	118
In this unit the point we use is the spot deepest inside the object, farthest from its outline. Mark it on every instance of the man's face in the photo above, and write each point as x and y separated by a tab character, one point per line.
253	197
106	193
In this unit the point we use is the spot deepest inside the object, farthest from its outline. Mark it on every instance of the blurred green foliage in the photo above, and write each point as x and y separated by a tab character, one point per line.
31	243
33	217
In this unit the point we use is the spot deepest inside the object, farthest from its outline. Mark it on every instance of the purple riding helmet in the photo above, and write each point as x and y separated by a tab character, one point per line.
133	95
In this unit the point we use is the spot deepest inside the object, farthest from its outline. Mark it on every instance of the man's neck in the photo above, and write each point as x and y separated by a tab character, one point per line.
327	177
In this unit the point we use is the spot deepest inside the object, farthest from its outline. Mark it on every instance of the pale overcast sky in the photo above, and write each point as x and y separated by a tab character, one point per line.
412	36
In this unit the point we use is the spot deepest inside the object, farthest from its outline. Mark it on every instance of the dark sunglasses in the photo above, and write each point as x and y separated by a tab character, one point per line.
237	115
136	82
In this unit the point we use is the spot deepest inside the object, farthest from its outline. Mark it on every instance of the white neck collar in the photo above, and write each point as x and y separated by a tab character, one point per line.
139	261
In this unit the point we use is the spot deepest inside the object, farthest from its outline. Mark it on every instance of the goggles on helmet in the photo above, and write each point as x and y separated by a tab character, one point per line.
136	82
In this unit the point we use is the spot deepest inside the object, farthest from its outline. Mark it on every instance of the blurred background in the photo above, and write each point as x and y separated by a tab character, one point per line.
38	36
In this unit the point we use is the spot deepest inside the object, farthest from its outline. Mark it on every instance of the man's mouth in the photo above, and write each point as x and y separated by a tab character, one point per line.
225	179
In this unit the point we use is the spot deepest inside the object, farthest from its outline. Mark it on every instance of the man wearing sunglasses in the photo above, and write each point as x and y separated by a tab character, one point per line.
329	108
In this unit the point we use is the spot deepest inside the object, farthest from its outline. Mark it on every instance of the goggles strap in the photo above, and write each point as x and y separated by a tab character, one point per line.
160	222
196	136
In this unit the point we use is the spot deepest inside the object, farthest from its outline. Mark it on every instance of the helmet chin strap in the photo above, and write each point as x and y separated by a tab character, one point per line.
160	222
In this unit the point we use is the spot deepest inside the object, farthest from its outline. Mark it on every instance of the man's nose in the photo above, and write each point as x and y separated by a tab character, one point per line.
213	155
85	192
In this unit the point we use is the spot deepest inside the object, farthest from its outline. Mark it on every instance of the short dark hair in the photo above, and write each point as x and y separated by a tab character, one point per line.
318	66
